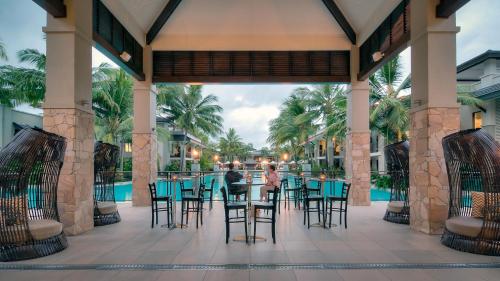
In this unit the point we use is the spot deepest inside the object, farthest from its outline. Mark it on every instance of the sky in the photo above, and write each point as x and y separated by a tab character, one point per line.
248	108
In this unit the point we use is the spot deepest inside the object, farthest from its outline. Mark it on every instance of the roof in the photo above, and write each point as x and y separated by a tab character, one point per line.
489	92
473	69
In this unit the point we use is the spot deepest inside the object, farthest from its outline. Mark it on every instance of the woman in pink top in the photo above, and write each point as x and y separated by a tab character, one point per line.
272	180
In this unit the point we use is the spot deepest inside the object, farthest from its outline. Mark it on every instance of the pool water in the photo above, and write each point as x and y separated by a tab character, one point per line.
123	191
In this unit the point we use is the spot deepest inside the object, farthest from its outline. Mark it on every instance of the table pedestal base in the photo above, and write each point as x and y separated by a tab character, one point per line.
241	238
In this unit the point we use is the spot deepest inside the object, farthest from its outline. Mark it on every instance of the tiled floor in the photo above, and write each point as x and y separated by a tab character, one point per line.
368	239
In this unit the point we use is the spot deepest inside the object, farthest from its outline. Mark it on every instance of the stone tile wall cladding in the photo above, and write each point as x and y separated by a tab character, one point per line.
75	197
144	171
358	167
429	189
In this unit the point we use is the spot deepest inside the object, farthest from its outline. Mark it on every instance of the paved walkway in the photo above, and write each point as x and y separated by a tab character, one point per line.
368	241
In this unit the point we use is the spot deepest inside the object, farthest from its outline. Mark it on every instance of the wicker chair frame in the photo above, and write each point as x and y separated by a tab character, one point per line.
397	159
30	166
473	164
106	158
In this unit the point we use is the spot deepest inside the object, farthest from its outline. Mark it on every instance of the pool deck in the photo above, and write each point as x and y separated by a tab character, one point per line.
368	240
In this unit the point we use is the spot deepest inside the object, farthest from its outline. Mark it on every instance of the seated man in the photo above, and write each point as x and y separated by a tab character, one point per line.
232	177
272	181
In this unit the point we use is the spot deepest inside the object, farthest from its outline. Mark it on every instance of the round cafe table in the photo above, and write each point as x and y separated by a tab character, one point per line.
249	186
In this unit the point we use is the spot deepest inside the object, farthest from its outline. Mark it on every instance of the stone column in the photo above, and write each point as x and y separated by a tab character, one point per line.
144	139
434	114
68	111
357	158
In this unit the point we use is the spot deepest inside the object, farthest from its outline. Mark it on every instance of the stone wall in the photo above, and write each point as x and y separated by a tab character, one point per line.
429	189
75	190
144	167
357	167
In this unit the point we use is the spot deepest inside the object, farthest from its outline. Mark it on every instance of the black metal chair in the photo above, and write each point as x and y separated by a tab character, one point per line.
155	199
30	166
105	162
234	206
397	159
473	164
343	199
312	198
197	206
272	220
295	191
211	193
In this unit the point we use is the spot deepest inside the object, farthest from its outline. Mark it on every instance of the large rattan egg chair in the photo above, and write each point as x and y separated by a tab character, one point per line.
29	172
473	165
397	159
105	162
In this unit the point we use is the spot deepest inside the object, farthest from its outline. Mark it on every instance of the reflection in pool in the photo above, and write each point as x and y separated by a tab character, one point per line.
123	191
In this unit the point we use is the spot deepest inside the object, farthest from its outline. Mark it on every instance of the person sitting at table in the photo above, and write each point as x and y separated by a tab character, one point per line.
232	177
272	181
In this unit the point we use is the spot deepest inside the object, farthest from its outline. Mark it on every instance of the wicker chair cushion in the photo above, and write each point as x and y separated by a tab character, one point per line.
395	206
44	229
107	207
466	226
39	230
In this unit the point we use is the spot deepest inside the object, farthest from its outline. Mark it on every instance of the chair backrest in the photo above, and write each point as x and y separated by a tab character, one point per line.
284	184
224	196
212	184
275	198
305	191
106	158
201	190
346	188
397	159
298	181
152	190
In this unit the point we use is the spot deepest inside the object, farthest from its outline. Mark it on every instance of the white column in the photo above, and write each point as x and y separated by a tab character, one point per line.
357	159
434	113
144	139
68	111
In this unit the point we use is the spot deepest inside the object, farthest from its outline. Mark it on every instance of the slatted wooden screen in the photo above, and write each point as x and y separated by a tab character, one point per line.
251	66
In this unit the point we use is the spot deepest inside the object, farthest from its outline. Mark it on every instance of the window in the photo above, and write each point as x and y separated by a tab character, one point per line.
477	119
128	147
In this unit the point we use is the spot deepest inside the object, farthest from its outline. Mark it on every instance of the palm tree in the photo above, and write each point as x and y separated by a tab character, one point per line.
390	105
231	145
290	127
111	101
3	51
190	110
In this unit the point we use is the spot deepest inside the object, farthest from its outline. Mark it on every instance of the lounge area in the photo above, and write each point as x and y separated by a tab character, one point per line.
368	240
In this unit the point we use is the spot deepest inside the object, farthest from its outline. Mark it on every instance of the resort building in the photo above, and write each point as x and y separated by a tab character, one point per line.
13	120
481	77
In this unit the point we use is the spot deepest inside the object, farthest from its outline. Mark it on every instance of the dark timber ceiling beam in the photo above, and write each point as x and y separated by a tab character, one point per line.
446	8
54	7
341	20
161	20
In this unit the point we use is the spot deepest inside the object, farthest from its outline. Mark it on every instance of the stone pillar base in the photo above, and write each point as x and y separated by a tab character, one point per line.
76	182
429	189
144	167
357	167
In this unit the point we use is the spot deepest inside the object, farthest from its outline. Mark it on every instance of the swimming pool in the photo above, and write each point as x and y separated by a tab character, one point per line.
123	191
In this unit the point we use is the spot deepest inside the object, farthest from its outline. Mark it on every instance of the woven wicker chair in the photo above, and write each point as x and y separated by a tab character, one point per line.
29	172
397	157
105	161
473	165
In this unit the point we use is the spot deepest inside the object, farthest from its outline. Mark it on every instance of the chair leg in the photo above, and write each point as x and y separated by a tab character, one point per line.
168	213
156	205
187	213
152	215
201	213
319	211
197	212
227	227
182	213
273	227
246	225
211	198
340	212
308	216
254	224
331	210
304	216
345	216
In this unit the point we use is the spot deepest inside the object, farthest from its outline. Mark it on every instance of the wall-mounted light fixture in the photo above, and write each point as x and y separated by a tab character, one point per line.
378	55
125	56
